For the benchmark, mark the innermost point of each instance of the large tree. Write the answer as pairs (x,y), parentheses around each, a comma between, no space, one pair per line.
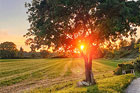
(70,23)
(8,50)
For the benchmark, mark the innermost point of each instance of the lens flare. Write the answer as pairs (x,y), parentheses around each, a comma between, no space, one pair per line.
(82,47)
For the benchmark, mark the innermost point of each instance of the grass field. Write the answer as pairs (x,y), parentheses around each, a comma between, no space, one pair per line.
(59,75)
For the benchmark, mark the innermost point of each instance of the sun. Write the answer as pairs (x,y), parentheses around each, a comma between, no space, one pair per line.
(82,47)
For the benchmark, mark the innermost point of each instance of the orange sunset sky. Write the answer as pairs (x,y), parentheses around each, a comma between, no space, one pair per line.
(14,24)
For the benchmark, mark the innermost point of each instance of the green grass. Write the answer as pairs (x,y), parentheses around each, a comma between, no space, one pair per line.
(15,72)
(115,84)
(64,72)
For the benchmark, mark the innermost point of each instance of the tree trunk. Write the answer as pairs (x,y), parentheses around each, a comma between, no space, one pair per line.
(92,80)
(88,70)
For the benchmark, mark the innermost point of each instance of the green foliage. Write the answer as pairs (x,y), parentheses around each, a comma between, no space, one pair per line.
(137,74)
(8,50)
(138,46)
(124,66)
(118,71)
(137,65)
(65,23)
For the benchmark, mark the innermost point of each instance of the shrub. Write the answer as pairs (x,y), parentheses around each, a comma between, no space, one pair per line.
(137,65)
(118,71)
(124,66)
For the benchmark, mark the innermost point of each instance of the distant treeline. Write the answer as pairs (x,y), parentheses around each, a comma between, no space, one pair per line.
(126,49)
(123,49)
(8,50)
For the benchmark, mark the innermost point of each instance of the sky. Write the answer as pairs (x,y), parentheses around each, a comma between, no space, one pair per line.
(14,23)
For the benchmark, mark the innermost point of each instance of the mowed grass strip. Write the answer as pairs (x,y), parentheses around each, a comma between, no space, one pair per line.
(13,72)
(36,73)
(31,75)
(22,70)
(31,68)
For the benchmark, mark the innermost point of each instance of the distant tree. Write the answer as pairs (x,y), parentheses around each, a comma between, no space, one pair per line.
(70,23)
(21,53)
(33,51)
(33,48)
(44,53)
(138,46)
(132,43)
(123,43)
(8,50)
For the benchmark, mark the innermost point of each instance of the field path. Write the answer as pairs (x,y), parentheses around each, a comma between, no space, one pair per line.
(134,87)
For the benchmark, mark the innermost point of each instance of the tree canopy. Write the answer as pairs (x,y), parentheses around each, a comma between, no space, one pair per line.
(67,23)
(8,50)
